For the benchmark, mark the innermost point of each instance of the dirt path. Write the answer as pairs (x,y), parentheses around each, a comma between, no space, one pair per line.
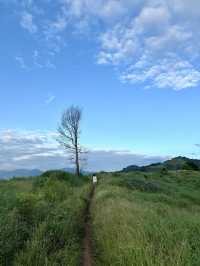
(87,242)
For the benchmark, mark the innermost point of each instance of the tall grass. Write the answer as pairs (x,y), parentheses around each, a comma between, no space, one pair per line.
(42,220)
(147,220)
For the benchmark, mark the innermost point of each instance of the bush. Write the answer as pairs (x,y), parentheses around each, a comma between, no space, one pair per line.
(43,226)
(72,179)
(141,184)
(190,166)
(56,191)
(56,241)
(164,171)
(15,230)
(132,228)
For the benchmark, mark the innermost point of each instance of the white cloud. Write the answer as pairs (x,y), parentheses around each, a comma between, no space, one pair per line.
(60,24)
(37,61)
(128,33)
(185,8)
(27,22)
(152,20)
(104,9)
(21,62)
(24,149)
(36,58)
(113,160)
(163,45)
(39,150)
(167,73)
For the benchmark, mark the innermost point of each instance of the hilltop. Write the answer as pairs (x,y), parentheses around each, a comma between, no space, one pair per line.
(19,173)
(32,172)
(177,163)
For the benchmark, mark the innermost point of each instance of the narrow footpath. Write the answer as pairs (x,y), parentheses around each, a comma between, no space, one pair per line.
(87,242)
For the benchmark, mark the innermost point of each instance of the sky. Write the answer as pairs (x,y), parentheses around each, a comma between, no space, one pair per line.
(133,66)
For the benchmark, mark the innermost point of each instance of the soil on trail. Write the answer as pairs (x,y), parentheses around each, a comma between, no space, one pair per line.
(87,242)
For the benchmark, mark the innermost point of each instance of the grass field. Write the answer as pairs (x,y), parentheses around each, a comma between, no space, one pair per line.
(41,220)
(137,219)
(147,219)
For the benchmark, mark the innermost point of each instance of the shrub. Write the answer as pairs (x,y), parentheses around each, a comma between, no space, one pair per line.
(190,166)
(14,232)
(44,224)
(72,179)
(164,171)
(141,184)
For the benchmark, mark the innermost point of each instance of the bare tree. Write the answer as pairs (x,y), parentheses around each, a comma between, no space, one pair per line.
(69,134)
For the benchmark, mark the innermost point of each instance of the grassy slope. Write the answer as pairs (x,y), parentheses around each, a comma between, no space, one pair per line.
(41,220)
(147,219)
(138,219)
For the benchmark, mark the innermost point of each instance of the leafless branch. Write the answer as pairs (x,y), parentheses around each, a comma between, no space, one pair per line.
(69,135)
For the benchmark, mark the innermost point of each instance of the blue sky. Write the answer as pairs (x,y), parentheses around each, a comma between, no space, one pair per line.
(133,66)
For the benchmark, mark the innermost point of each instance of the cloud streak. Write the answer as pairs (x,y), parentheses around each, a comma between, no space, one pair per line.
(27,22)
(50,99)
(36,149)
(20,60)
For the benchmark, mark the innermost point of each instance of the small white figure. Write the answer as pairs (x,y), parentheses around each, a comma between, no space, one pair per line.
(94,179)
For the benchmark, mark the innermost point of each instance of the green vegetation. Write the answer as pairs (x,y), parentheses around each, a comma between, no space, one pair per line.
(41,219)
(178,163)
(137,218)
(150,219)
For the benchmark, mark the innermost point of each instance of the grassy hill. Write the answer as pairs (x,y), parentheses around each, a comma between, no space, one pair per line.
(148,219)
(177,163)
(137,218)
(41,219)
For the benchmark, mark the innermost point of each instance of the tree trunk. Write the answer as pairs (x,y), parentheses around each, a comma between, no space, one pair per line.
(77,157)
(77,164)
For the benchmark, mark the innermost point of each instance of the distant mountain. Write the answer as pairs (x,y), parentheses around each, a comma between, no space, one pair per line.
(72,170)
(34,172)
(19,173)
(132,168)
(68,170)
(177,163)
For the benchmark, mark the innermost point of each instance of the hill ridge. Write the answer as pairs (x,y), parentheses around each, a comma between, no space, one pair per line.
(176,163)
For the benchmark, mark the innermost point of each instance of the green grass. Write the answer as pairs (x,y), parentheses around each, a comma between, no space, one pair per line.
(41,220)
(147,219)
